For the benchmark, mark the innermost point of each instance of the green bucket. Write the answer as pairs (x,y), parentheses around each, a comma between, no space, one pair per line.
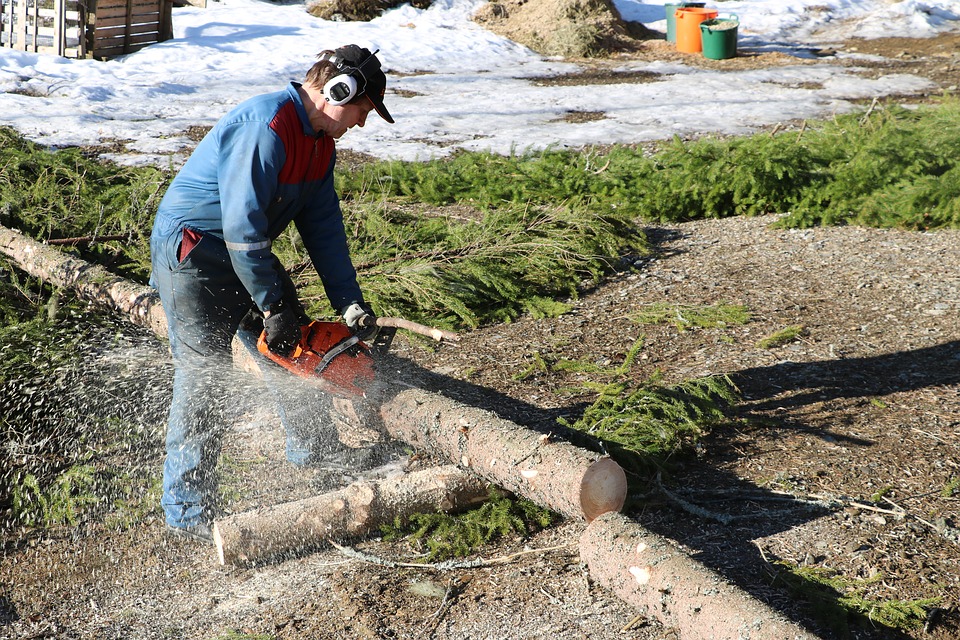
(671,10)
(719,37)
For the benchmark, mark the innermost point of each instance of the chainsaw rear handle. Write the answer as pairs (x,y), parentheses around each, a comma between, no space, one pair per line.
(399,323)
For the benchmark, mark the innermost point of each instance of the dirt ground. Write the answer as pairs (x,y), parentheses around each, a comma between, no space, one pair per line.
(859,417)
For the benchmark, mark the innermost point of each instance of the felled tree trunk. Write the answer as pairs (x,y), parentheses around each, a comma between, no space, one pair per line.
(140,303)
(352,511)
(665,583)
(552,473)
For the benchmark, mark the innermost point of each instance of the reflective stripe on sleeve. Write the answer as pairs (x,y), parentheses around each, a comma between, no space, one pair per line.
(248,246)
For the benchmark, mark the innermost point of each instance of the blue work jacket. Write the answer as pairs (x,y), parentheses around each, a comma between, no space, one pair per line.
(260,168)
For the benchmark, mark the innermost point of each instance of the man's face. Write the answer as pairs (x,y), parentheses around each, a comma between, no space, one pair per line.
(353,114)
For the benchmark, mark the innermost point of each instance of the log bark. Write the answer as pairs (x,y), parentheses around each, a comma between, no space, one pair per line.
(355,510)
(138,302)
(665,583)
(553,473)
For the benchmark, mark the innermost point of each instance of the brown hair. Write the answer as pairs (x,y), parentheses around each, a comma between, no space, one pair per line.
(322,70)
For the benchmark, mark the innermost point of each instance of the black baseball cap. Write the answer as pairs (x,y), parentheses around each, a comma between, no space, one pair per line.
(367,66)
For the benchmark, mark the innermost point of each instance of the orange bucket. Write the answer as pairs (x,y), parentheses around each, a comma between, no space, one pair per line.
(688,27)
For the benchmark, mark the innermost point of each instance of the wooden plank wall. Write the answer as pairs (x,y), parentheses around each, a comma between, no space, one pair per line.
(43,26)
(81,28)
(124,26)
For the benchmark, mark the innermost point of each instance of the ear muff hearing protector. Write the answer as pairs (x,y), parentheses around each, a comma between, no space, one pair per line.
(348,84)
(340,89)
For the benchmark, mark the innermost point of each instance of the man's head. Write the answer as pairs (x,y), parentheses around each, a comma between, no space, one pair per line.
(350,74)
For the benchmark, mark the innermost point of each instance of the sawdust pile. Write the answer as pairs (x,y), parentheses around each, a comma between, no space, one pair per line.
(566,28)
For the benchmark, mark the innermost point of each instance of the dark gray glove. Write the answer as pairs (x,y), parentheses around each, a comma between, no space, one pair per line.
(361,320)
(282,327)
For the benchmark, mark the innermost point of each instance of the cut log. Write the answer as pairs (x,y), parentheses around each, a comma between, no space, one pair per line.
(665,583)
(553,473)
(138,302)
(355,510)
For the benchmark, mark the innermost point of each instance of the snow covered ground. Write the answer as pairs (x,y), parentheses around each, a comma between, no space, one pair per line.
(451,84)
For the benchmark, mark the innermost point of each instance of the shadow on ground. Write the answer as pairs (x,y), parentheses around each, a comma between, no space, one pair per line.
(722,535)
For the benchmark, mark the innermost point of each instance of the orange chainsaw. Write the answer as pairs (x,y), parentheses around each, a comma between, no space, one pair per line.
(341,363)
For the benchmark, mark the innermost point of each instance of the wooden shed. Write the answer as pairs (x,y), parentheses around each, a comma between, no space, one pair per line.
(84,28)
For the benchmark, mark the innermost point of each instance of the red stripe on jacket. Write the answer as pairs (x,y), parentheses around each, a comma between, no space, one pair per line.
(307,156)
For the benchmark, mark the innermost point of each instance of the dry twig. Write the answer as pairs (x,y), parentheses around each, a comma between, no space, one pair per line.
(455,587)
(90,239)
(446,565)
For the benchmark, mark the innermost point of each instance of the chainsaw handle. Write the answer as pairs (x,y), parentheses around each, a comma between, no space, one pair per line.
(399,323)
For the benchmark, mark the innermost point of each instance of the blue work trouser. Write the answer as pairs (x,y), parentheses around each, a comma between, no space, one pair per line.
(205,305)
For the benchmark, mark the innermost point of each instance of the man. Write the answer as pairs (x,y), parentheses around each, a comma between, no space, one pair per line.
(267,163)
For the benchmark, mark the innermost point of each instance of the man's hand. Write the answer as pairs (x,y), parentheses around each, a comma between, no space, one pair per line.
(283,329)
(361,320)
